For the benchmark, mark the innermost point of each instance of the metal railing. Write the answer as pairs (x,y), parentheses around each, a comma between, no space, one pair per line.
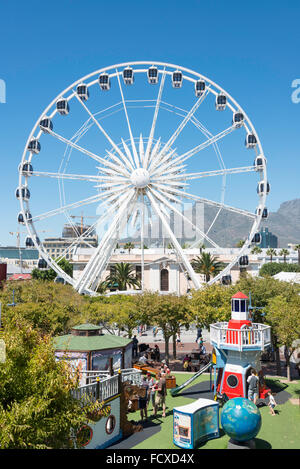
(257,336)
(104,386)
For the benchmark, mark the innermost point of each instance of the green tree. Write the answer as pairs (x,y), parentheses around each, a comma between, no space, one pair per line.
(284,316)
(297,248)
(211,304)
(201,247)
(271,252)
(207,265)
(263,290)
(50,274)
(123,275)
(168,312)
(273,268)
(256,250)
(37,410)
(50,307)
(284,252)
(240,243)
(111,313)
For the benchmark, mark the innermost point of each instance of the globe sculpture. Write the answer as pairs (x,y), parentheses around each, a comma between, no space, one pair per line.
(240,419)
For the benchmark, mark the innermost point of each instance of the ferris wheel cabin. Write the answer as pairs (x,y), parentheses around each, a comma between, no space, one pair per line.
(177,79)
(42,264)
(238,119)
(34,146)
(152,75)
(199,87)
(256,238)
(128,76)
(259,163)
(262,187)
(250,141)
(24,193)
(82,92)
(104,81)
(26,169)
(221,102)
(46,125)
(62,106)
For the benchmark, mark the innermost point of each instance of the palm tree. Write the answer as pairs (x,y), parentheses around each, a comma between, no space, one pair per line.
(297,248)
(271,252)
(129,246)
(284,252)
(256,250)
(201,247)
(207,265)
(123,275)
(240,243)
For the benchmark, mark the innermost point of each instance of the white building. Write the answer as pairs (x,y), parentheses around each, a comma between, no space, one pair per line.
(163,272)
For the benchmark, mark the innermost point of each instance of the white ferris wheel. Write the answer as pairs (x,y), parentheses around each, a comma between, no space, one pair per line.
(141,137)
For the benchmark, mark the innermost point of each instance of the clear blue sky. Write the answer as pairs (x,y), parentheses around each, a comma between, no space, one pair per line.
(249,48)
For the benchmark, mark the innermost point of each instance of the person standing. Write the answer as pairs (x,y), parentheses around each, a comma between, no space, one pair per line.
(151,390)
(134,347)
(272,403)
(199,334)
(143,400)
(160,399)
(253,386)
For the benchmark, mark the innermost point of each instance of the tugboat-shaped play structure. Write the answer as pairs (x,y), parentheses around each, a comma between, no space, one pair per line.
(238,346)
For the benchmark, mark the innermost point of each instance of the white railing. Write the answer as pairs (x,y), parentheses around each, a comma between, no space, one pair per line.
(257,336)
(103,386)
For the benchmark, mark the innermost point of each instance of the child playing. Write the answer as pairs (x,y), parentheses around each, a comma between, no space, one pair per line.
(272,403)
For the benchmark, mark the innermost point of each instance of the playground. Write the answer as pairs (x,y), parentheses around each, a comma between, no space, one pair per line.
(281,432)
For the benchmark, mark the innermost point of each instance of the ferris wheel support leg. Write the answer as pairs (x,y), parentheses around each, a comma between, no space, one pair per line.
(177,246)
(91,270)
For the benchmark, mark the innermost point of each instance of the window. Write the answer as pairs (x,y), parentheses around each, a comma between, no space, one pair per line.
(164,280)
(110,424)
(232,381)
(138,272)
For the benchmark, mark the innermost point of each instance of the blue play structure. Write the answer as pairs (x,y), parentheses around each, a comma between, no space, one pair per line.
(195,423)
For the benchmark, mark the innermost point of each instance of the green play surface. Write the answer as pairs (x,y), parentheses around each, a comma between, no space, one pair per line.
(278,432)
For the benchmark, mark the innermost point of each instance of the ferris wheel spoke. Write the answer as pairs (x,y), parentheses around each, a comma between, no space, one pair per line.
(135,155)
(157,106)
(83,177)
(100,219)
(174,241)
(198,148)
(163,199)
(161,157)
(186,195)
(94,267)
(90,200)
(106,163)
(128,153)
(113,144)
(218,172)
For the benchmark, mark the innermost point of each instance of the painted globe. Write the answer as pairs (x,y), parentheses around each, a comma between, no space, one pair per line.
(240,419)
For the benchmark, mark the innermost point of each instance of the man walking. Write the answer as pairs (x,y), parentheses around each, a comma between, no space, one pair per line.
(160,398)
(253,386)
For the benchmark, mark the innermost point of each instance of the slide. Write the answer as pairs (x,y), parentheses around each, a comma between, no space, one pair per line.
(176,390)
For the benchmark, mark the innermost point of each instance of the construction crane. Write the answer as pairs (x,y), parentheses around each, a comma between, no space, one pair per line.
(81,220)
(18,233)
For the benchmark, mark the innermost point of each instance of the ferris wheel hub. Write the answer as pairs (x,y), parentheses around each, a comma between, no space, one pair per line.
(140,178)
